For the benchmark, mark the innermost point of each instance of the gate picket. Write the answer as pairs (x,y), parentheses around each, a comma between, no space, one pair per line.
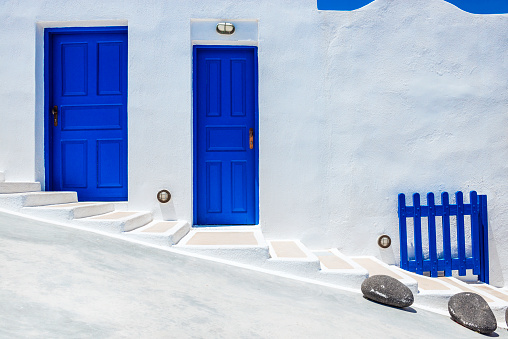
(418,233)
(447,247)
(432,234)
(461,240)
(475,234)
(403,232)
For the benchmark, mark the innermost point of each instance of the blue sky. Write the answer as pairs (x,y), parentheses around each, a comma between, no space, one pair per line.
(472,6)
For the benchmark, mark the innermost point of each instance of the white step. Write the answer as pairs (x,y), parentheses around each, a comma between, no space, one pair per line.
(432,292)
(240,244)
(19,187)
(162,233)
(339,269)
(116,222)
(375,267)
(16,201)
(291,256)
(436,292)
(69,211)
(2,177)
(497,305)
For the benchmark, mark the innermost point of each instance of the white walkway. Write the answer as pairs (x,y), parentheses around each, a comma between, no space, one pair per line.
(59,282)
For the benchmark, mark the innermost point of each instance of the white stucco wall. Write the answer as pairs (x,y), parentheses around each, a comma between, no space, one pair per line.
(354,108)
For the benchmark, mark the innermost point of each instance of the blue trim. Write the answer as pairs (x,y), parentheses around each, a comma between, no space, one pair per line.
(194,125)
(47,128)
(341,5)
(481,6)
(194,134)
(470,6)
(74,30)
(48,69)
(256,134)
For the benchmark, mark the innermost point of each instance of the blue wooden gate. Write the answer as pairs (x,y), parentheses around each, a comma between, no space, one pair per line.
(445,261)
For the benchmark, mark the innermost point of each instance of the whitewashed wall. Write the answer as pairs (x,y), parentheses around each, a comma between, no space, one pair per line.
(355,107)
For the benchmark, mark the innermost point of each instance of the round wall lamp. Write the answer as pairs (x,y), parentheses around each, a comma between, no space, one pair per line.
(163,196)
(225,28)
(384,241)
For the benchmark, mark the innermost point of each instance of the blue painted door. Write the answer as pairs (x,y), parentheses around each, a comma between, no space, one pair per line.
(88,91)
(225,135)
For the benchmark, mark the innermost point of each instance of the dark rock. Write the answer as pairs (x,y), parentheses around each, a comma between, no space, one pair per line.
(387,290)
(506,316)
(472,311)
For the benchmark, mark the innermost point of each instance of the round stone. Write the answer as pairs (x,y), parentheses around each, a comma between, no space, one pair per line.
(387,290)
(472,311)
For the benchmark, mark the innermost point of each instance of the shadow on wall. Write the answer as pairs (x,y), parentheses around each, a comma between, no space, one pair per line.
(495,267)
(388,255)
(471,6)
(168,210)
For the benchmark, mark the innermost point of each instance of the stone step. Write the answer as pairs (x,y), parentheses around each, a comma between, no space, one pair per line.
(69,211)
(16,201)
(291,256)
(235,243)
(19,187)
(339,269)
(116,222)
(2,177)
(162,233)
(375,266)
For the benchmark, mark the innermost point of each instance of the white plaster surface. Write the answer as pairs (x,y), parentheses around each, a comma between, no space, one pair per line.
(102,287)
(116,225)
(168,238)
(354,108)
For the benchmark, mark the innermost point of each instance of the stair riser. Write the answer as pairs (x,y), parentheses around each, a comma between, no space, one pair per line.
(168,238)
(137,222)
(17,201)
(352,279)
(178,235)
(68,214)
(50,198)
(255,256)
(296,267)
(116,226)
(499,311)
(2,177)
(19,187)
(88,211)
(438,301)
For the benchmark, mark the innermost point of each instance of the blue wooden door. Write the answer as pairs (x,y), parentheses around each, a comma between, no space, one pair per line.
(225,135)
(88,94)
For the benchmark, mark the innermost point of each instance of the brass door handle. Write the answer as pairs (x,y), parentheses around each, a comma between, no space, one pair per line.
(54,111)
(251,138)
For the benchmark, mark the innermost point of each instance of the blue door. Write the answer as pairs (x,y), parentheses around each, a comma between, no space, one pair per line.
(225,135)
(86,106)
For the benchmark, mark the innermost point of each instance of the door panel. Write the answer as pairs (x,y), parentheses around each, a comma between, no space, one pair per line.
(88,84)
(225,109)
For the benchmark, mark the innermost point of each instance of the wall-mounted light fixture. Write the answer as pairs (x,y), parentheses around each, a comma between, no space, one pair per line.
(384,241)
(225,28)
(163,196)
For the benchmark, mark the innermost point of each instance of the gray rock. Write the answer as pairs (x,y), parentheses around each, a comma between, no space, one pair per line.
(472,311)
(506,316)
(387,290)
